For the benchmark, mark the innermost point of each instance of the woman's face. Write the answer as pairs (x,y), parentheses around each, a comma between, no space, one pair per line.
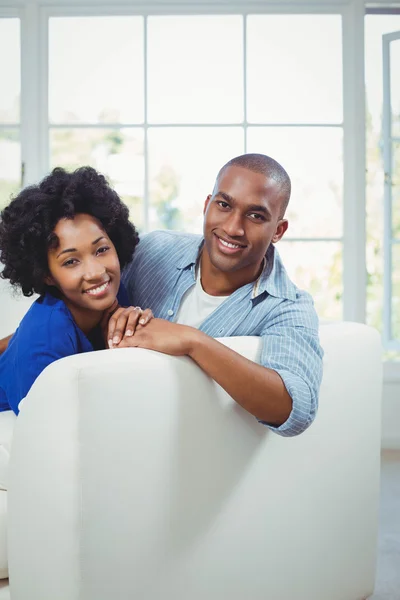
(85,266)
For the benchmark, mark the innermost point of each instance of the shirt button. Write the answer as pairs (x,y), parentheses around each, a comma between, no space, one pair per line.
(170,313)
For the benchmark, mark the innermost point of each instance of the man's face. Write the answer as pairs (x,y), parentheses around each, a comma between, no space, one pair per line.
(241,218)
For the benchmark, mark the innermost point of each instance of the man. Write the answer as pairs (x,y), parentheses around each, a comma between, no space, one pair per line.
(231,282)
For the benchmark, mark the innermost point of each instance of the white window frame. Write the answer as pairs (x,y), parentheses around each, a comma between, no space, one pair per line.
(34,118)
(13,12)
(388,240)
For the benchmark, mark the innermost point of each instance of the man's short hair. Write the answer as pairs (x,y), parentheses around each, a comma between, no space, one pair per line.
(260,163)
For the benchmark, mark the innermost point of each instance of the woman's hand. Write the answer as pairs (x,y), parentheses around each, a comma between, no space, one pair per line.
(124,321)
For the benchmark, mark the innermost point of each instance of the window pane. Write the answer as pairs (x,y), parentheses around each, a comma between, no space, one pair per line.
(10,71)
(10,164)
(395,85)
(317,268)
(117,153)
(396,190)
(183,165)
(100,78)
(396,292)
(313,158)
(195,69)
(294,69)
(375,27)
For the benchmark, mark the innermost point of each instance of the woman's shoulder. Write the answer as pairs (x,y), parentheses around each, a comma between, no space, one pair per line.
(48,324)
(48,310)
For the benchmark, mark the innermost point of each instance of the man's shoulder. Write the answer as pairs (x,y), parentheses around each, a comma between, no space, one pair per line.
(161,246)
(166,238)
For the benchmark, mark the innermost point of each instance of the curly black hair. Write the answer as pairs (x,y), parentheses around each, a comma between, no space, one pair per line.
(27,223)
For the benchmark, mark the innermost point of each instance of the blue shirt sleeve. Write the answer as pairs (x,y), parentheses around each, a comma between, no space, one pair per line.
(291,348)
(54,340)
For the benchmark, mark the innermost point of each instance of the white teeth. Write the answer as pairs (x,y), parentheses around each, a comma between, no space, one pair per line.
(98,290)
(228,244)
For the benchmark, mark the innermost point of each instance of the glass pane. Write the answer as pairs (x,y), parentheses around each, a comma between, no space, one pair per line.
(396,292)
(10,164)
(294,69)
(195,69)
(183,165)
(10,71)
(100,78)
(313,158)
(375,27)
(395,86)
(396,190)
(117,153)
(317,268)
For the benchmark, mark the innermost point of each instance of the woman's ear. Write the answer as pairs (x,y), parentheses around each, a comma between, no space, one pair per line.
(48,280)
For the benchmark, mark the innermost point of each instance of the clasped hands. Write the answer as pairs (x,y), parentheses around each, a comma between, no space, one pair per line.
(134,327)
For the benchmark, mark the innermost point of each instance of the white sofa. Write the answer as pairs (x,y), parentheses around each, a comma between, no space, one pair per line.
(134,476)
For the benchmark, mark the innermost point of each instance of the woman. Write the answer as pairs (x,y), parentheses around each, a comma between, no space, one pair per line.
(67,240)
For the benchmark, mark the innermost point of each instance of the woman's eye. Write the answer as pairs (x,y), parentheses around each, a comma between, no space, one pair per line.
(102,249)
(69,262)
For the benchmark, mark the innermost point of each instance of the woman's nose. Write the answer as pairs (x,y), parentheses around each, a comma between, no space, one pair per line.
(94,271)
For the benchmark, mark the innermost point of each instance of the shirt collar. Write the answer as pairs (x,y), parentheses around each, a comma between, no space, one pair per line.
(274,279)
(190,253)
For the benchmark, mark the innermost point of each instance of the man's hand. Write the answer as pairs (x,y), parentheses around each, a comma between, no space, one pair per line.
(163,336)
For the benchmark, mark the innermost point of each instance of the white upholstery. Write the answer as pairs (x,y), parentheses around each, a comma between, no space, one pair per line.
(134,476)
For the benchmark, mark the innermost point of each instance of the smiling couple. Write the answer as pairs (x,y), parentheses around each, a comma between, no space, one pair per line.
(69,240)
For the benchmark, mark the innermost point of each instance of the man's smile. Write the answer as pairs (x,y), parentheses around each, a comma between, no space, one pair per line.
(228,247)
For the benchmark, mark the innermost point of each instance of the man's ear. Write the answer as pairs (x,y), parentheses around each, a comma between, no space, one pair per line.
(48,280)
(206,203)
(281,228)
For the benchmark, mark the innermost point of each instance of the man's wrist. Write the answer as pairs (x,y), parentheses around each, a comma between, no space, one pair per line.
(194,340)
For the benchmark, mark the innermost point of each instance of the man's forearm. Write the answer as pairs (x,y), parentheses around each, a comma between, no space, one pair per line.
(4,344)
(257,389)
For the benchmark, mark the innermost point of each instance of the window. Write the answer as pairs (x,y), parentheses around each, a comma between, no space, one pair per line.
(10,78)
(147,101)
(383,177)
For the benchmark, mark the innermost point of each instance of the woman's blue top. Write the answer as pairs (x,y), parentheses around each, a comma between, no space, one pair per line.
(46,333)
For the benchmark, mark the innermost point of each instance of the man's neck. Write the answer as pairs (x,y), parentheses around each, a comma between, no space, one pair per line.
(220,283)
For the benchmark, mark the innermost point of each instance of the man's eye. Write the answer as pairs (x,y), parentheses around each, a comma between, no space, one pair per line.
(256,216)
(223,204)
(102,249)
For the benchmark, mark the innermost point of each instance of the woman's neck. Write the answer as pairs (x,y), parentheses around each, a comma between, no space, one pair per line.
(85,319)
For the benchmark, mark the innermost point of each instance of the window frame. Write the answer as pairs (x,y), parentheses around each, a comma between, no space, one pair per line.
(388,242)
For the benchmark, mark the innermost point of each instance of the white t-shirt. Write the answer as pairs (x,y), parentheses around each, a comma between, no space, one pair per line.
(196,304)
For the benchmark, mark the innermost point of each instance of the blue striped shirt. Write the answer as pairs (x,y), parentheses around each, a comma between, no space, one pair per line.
(163,269)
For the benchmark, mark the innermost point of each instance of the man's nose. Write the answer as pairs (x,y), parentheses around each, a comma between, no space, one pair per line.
(234,225)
